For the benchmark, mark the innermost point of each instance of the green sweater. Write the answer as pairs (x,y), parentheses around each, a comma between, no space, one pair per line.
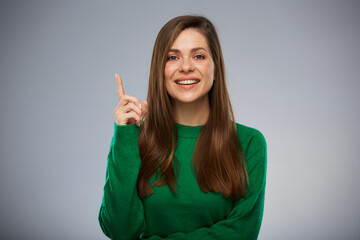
(190,213)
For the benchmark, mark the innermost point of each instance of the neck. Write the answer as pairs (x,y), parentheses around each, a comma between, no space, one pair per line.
(192,114)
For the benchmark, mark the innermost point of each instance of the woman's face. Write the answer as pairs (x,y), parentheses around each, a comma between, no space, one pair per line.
(189,70)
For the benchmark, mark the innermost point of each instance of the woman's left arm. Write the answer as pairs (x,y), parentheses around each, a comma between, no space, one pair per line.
(245,218)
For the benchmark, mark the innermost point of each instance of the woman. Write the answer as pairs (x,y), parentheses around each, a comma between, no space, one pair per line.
(186,170)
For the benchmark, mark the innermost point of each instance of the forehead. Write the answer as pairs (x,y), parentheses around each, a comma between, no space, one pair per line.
(190,38)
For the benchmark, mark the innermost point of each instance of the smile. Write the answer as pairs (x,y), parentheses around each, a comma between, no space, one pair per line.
(187,82)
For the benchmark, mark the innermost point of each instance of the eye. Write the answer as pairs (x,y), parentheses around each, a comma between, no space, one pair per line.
(172,58)
(198,57)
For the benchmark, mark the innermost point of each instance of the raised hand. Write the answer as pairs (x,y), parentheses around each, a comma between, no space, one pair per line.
(129,111)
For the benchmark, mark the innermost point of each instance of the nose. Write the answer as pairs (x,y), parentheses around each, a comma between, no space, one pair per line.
(186,65)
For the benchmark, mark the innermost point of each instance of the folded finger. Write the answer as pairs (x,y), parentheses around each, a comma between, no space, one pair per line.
(132,107)
(127,98)
(133,116)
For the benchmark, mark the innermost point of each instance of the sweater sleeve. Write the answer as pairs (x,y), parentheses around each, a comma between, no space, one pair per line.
(121,214)
(244,220)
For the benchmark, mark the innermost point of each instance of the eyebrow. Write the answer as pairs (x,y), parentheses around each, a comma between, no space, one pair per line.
(192,50)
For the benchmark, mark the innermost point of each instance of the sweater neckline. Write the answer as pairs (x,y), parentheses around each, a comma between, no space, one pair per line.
(188,131)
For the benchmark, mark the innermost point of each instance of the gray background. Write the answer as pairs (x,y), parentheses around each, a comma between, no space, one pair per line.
(293,72)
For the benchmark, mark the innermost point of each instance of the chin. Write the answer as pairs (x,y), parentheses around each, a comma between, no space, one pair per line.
(188,99)
(182,100)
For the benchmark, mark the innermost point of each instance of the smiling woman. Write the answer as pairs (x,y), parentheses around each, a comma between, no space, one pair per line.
(186,170)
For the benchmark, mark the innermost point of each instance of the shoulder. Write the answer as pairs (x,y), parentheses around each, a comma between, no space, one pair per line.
(250,138)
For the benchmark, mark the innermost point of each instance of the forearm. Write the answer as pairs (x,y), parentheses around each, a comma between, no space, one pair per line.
(121,213)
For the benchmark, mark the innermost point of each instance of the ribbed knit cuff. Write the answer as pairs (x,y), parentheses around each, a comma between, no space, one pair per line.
(126,132)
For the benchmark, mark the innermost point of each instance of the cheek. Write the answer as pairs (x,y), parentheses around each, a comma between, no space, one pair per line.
(169,70)
(209,71)
(211,75)
(166,72)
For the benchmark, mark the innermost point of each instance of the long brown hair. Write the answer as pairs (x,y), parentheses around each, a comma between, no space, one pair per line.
(218,158)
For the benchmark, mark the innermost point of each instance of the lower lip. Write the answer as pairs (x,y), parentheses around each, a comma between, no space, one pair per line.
(190,86)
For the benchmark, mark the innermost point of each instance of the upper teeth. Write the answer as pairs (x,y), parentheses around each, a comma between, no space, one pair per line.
(186,81)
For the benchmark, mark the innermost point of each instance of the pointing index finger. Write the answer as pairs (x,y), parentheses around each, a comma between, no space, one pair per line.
(120,88)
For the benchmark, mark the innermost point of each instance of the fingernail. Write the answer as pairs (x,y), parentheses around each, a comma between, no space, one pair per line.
(140,106)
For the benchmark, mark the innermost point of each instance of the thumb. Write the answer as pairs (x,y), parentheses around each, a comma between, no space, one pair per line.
(143,108)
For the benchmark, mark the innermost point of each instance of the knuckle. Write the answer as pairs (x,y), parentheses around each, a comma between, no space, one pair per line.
(136,116)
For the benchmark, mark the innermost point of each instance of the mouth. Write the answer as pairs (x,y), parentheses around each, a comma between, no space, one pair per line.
(187,82)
